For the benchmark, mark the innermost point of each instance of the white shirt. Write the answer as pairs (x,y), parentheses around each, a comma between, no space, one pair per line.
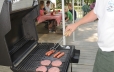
(47,8)
(104,10)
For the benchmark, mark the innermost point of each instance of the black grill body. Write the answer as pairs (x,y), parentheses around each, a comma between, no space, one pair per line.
(33,59)
(19,47)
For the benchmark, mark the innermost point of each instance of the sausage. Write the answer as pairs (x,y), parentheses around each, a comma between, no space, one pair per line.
(60,55)
(55,55)
(47,52)
(51,52)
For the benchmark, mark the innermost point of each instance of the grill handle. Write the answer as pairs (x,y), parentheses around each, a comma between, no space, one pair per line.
(75,56)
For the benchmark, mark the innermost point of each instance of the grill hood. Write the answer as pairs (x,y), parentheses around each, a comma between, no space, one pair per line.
(16,29)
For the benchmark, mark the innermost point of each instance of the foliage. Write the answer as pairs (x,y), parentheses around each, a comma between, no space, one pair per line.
(59,2)
(89,1)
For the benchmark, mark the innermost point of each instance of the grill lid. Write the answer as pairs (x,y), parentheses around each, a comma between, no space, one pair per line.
(17,34)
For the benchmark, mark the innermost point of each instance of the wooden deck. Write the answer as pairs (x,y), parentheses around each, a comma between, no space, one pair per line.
(86,38)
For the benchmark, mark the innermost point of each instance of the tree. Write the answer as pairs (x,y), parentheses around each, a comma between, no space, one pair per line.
(75,2)
(89,1)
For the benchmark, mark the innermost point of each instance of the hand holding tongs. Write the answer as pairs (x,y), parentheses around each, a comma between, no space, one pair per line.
(67,33)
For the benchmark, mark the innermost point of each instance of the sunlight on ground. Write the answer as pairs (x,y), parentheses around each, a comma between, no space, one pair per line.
(92,38)
(49,38)
(83,29)
(80,29)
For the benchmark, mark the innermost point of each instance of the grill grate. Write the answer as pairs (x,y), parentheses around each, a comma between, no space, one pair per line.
(32,61)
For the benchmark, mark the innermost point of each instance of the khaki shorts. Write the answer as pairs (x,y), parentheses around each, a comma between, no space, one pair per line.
(104,61)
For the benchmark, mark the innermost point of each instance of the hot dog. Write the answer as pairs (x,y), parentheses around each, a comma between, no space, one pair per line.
(55,55)
(50,52)
(47,52)
(60,55)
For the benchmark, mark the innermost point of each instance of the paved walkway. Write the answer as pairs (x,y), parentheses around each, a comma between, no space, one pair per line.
(86,38)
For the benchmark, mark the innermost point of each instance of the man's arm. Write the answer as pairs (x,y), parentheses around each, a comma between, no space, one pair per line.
(91,16)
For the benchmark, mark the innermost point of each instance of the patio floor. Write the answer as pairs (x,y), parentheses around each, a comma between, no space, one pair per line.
(86,37)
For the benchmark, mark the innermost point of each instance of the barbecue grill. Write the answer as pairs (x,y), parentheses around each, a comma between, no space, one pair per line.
(19,46)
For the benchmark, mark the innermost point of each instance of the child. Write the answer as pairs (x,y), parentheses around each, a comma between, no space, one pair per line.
(68,16)
(42,2)
(92,6)
(47,7)
(41,11)
(52,25)
(71,10)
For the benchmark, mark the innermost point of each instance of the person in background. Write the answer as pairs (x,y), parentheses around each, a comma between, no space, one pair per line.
(41,10)
(85,9)
(42,2)
(47,7)
(92,5)
(68,16)
(71,10)
(52,25)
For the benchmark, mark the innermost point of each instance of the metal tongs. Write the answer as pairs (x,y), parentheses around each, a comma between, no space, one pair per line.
(55,47)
